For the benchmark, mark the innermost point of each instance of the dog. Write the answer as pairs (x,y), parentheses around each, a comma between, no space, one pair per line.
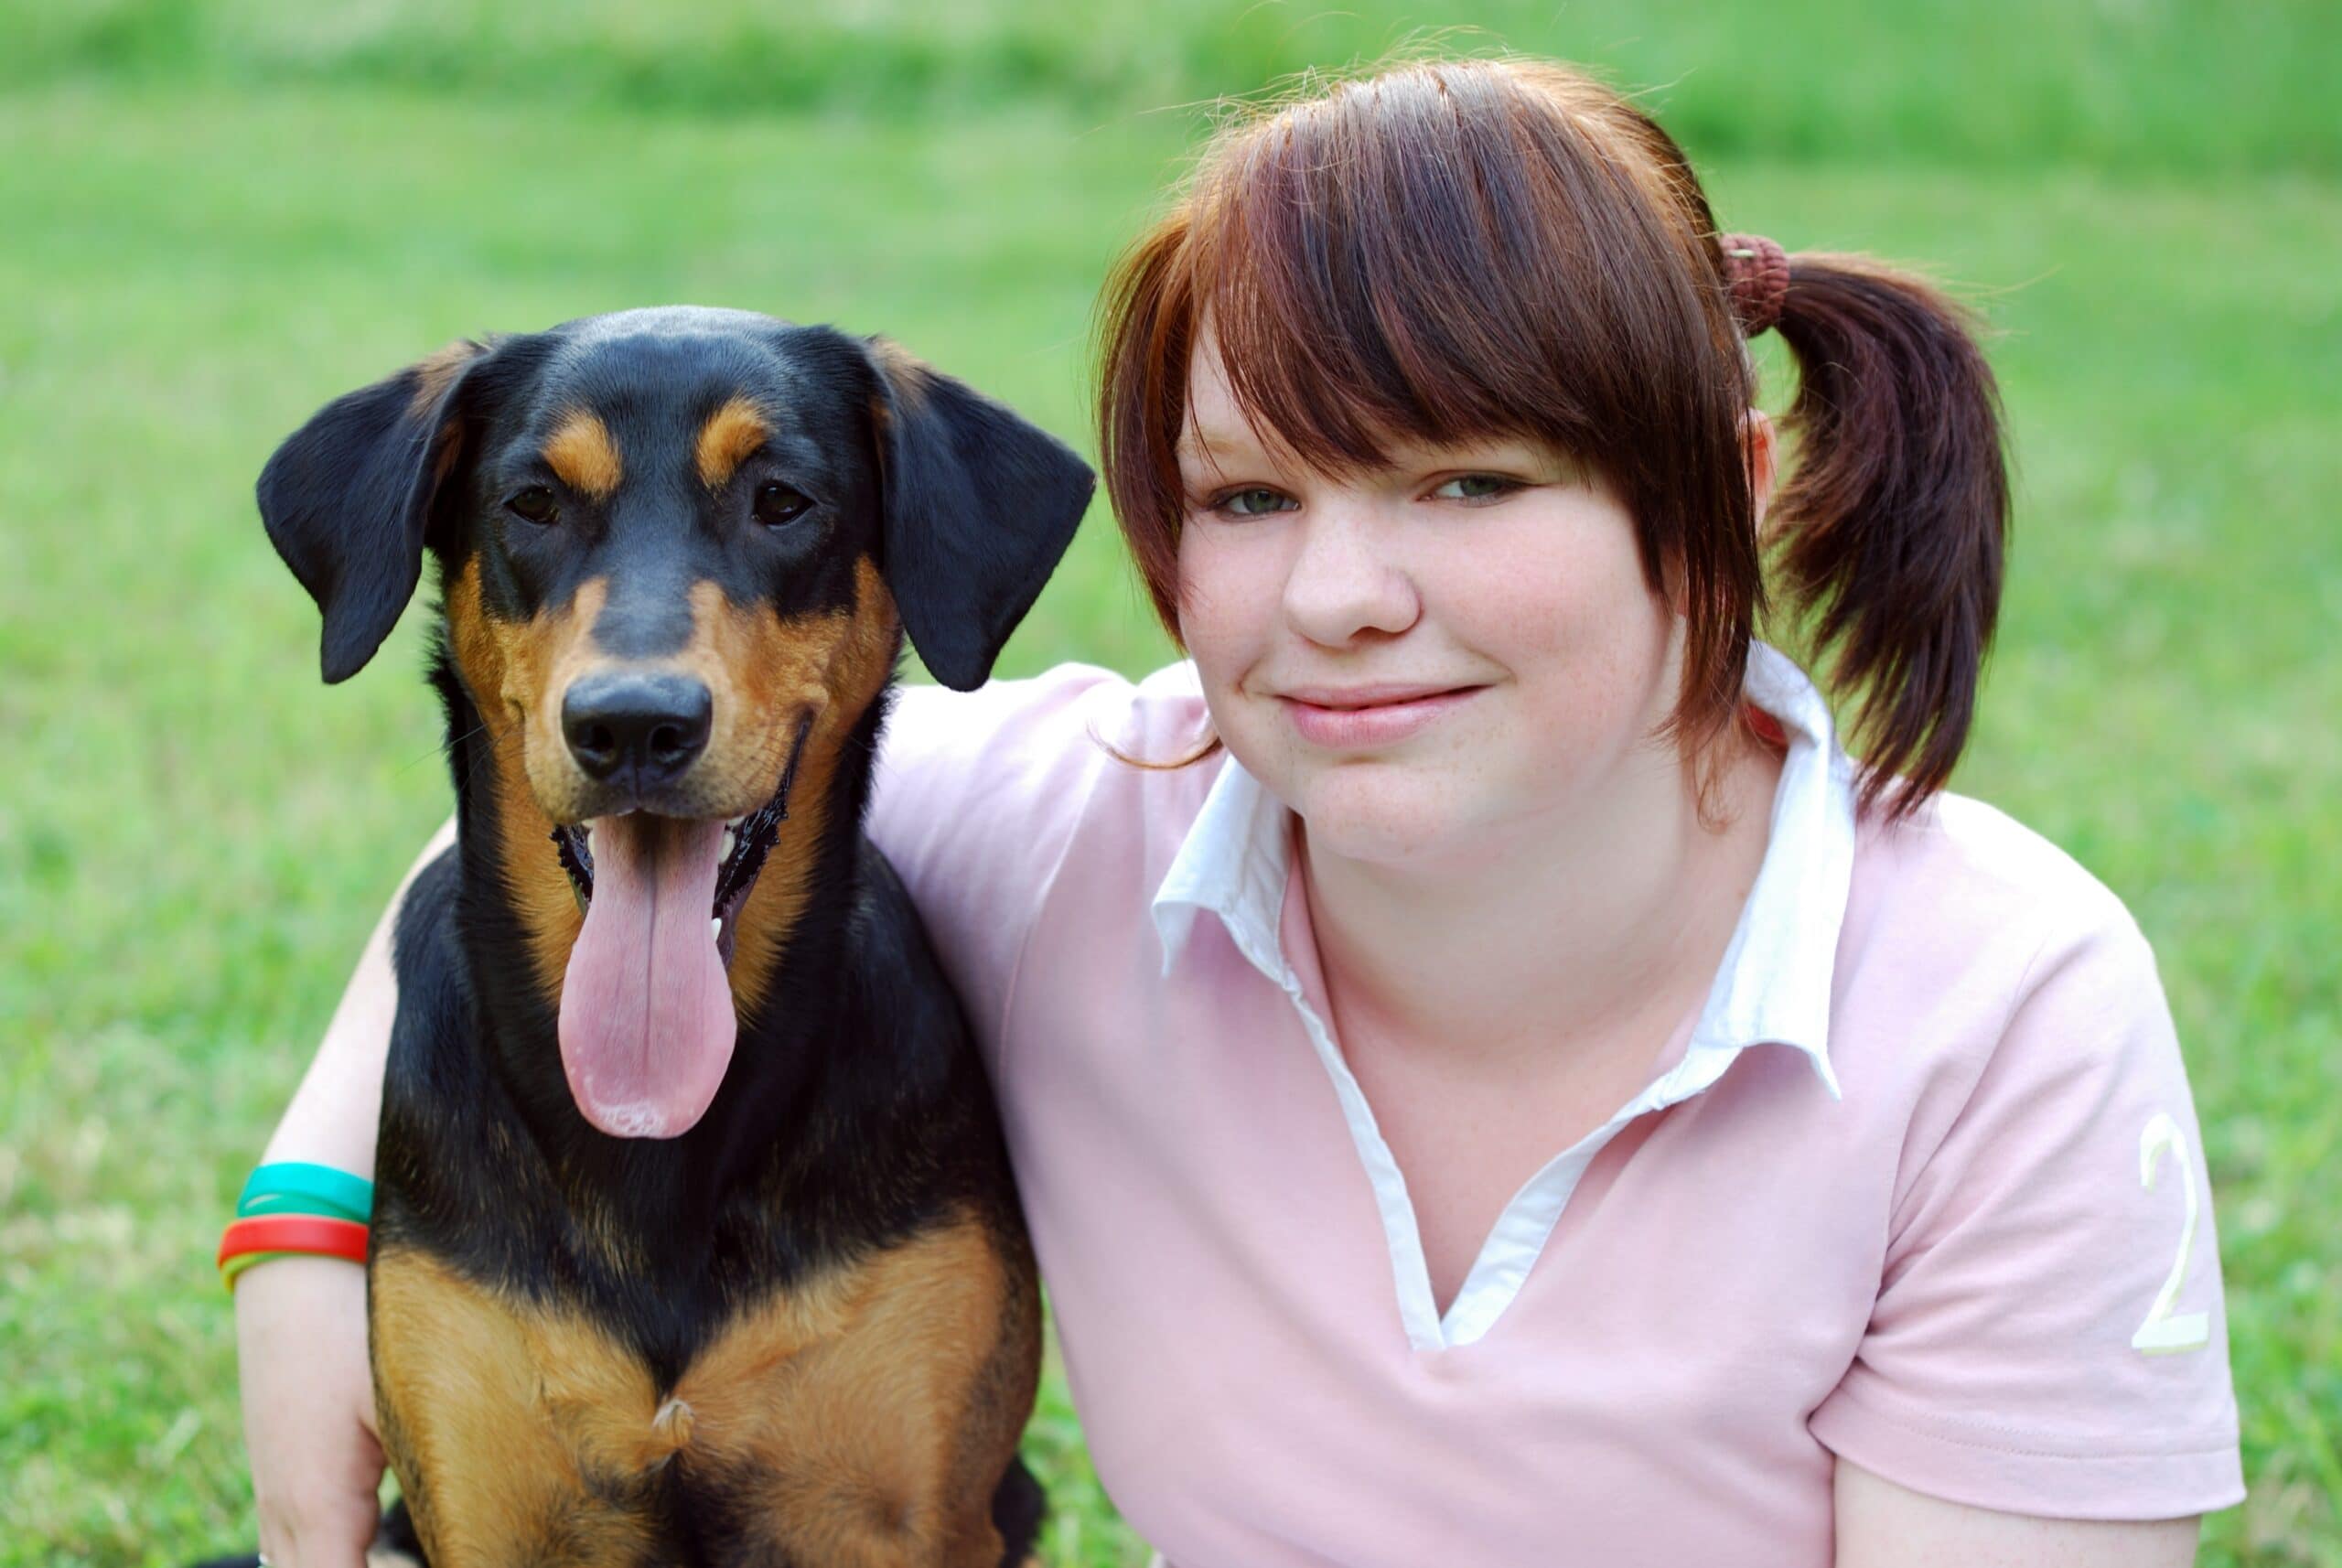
(694,1238)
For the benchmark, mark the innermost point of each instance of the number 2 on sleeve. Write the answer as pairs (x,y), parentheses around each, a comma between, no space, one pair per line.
(2162,1333)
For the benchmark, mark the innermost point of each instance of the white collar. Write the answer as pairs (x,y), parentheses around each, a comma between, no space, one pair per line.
(1773,985)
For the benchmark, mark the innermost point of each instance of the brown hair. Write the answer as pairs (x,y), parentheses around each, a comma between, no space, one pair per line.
(1458,249)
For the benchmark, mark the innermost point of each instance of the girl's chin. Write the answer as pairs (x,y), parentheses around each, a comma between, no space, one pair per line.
(1390,819)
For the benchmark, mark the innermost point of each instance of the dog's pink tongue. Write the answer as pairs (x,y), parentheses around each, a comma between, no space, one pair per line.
(647,1025)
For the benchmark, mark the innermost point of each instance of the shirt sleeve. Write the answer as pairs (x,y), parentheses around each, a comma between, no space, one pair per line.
(2048,1337)
(974,796)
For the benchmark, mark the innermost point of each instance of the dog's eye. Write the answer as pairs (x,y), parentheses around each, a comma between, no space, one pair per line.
(778,504)
(535,504)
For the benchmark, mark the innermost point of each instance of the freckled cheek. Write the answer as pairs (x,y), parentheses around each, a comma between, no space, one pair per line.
(1527,611)
(1230,598)
(1567,613)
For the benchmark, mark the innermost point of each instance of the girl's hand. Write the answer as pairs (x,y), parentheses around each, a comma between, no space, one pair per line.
(309,1410)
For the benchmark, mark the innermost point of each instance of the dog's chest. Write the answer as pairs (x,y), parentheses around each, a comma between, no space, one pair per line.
(849,1420)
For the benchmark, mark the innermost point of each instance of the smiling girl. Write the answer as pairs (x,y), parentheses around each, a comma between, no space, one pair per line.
(1491,1080)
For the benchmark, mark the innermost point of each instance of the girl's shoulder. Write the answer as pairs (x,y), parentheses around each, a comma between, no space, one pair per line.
(1985,978)
(980,800)
(1071,715)
(967,782)
(1961,884)
(1993,865)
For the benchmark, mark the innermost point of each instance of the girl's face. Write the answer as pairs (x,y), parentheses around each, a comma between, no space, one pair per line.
(1422,661)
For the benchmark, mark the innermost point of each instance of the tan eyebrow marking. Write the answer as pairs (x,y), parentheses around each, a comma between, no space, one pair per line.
(580,450)
(730,433)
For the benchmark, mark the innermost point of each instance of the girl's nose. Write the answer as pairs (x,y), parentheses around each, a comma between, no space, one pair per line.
(1341,585)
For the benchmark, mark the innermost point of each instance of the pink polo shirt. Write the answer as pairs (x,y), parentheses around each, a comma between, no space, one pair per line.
(1920,1185)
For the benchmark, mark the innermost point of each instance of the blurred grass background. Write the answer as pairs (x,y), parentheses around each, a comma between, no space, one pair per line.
(215,217)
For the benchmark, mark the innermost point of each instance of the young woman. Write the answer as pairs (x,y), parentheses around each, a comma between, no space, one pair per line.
(1492,1082)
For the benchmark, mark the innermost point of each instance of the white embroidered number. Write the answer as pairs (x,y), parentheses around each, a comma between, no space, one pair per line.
(2163,1334)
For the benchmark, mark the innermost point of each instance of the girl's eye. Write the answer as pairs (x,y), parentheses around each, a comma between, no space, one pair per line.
(1476,486)
(777,504)
(1257,501)
(535,504)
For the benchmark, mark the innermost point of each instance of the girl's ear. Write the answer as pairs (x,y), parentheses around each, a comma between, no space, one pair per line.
(978,504)
(1760,451)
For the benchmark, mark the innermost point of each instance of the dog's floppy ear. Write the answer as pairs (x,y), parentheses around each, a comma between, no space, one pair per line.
(979,505)
(348,495)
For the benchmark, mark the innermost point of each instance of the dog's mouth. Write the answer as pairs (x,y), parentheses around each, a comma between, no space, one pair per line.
(740,855)
(648,1021)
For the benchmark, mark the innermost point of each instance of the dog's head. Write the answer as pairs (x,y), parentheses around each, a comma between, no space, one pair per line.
(678,549)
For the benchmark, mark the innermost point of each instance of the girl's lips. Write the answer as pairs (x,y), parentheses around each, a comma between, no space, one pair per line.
(1367,717)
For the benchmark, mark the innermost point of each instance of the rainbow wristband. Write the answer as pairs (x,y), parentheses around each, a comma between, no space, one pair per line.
(297,1187)
(248,1242)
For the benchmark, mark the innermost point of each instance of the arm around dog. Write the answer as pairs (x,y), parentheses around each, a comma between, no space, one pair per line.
(308,1400)
(332,1117)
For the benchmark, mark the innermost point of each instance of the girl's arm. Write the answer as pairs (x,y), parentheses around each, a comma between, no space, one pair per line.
(309,1396)
(1882,1525)
(333,1114)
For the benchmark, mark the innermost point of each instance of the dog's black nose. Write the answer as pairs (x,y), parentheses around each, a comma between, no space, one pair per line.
(650,727)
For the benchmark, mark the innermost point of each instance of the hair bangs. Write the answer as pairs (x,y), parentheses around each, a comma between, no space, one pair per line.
(1359,266)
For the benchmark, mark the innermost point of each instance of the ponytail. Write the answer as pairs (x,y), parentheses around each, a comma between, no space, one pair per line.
(1896,515)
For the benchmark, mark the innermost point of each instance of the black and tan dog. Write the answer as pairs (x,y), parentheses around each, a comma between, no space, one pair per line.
(694,1237)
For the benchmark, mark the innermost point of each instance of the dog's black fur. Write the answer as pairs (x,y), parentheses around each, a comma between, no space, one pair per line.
(854,1118)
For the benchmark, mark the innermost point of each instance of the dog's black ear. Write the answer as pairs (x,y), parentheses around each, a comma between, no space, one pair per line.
(346,497)
(979,506)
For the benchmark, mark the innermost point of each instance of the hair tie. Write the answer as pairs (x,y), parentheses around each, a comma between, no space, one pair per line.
(1757,271)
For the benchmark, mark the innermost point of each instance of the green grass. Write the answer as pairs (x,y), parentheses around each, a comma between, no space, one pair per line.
(195,835)
(2140,83)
